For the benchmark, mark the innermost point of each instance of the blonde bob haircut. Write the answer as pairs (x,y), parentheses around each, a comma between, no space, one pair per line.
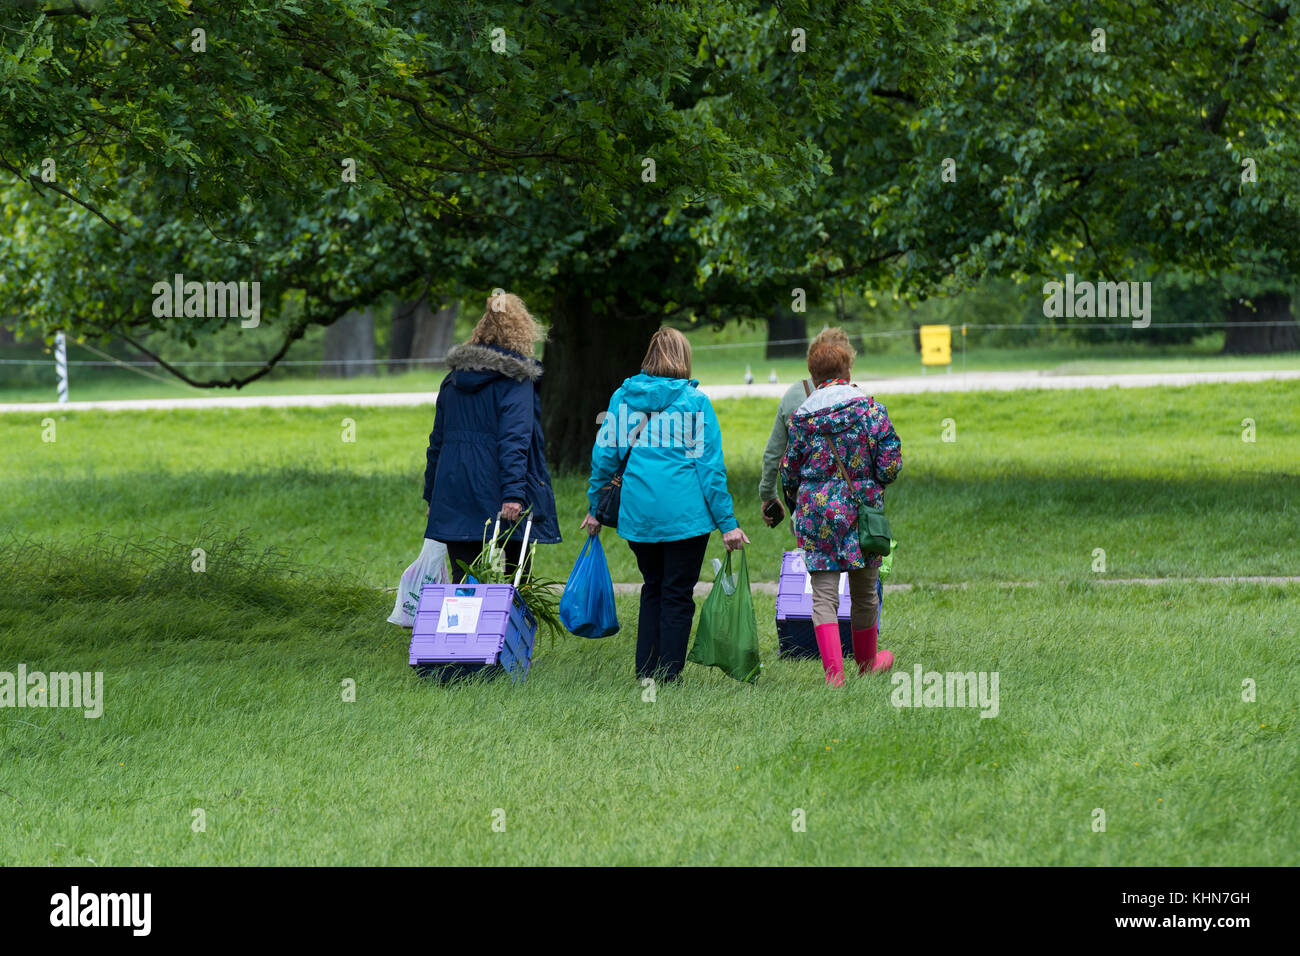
(669,355)
(508,324)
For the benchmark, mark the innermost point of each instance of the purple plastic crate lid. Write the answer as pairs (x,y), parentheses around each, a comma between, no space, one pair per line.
(794,591)
(468,622)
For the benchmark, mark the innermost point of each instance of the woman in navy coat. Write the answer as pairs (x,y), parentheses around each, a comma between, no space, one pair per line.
(487,456)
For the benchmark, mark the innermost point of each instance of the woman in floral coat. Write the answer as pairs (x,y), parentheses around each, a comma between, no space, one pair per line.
(825,509)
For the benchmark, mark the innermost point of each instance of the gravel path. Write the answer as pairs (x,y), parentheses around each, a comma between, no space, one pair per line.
(939,382)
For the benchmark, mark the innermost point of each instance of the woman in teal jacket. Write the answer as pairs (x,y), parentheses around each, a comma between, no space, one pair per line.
(674,494)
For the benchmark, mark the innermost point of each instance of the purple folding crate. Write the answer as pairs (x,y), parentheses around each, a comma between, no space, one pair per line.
(794,628)
(464,628)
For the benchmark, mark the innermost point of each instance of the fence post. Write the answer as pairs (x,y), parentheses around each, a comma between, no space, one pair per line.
(61,364)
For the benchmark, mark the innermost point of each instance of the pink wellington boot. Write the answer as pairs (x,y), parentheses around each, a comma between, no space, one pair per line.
(828,643)
(869,659)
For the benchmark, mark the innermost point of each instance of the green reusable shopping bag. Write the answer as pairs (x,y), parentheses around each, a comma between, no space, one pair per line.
(887,561)
(727,637)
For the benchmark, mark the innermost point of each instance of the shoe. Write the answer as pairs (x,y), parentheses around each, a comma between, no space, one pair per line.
(828,643)
(870,660)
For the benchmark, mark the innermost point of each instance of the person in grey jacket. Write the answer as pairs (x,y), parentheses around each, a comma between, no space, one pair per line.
(795,396)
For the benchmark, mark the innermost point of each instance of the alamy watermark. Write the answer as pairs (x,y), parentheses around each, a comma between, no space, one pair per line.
(129,910)
(208,300)
(78,690)
(951,689)
(671,429)
(1100,300)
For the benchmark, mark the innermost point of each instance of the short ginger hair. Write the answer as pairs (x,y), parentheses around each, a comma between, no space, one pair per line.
(828,360)
(835,336)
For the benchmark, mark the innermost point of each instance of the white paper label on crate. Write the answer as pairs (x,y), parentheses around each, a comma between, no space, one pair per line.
(459,615)
(807,582)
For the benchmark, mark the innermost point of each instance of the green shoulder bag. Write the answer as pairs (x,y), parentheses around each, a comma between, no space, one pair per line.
(873,527)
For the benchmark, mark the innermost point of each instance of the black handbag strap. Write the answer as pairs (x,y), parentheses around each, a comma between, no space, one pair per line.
(632,441)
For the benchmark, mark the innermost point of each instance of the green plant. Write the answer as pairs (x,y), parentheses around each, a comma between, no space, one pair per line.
(540,595)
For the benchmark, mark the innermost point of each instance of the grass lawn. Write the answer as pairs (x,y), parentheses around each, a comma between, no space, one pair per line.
(1034,483)
(224,695)
(223,689)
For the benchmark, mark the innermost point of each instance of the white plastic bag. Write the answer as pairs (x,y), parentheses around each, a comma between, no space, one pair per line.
(429,568)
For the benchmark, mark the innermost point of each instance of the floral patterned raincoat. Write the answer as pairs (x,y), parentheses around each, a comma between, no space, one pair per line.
(824,511)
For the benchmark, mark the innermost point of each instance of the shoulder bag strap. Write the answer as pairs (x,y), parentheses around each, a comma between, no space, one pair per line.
(830,440)
(632,441)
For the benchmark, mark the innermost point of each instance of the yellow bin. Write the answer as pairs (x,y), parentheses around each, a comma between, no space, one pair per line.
(936,345)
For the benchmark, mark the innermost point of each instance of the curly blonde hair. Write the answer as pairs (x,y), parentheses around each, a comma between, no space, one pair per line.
(508,323)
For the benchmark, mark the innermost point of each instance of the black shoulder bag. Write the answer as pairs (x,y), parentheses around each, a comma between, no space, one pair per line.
(610,496)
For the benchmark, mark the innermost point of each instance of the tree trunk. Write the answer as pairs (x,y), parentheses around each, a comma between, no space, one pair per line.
(399,339)
(421,333)
(787,331)
(1242,339)
(350,346)
(589,355)
(434,334)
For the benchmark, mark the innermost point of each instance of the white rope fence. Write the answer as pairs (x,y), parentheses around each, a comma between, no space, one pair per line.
(753,343)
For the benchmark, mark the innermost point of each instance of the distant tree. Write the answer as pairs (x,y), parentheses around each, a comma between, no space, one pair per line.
(1112,139)
(1119,140)
(350,345)
(786,332)
(421,333)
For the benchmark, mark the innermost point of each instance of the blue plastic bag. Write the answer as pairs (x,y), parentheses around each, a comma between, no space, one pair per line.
(587,607)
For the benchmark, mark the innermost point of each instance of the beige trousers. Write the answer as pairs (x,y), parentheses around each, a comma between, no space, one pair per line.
(862,597)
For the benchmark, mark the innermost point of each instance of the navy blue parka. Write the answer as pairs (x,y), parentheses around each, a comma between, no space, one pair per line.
(486,447)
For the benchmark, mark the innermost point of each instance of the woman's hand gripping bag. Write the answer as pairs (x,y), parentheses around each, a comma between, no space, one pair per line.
(587,607)
(727,636)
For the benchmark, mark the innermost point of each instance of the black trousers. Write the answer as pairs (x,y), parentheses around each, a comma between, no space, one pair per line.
(670,570)
(467,551)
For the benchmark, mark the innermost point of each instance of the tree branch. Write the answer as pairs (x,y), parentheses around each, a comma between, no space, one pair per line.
(37,184)
(295,333)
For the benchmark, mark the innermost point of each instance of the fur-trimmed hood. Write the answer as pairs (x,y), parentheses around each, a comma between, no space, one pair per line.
(473,366)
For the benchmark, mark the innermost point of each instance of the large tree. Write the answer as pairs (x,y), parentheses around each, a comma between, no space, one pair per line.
(606,286)
(152,137)
(794,149)
(578,165)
